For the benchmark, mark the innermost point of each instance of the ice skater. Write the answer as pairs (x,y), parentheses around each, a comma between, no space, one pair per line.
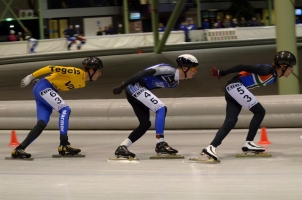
(47,99)
(33,43)
(142,100)
(237,95)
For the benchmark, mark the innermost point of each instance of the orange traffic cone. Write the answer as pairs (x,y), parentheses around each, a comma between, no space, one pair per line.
(264,139)
(14,140)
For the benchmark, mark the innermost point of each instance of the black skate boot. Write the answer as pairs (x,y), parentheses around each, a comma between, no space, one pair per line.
(122,151)
(164,148)
(20,153)
(67,149)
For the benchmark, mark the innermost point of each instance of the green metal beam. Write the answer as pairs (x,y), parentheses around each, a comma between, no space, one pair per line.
(41,25)
(269,12)
(154,16)
(126,16)
(171,23)
(287,41)
(12,12)
(198,13)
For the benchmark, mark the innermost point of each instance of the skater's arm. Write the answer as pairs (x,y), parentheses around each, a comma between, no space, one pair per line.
(135,78)
(25,81)
(261,70)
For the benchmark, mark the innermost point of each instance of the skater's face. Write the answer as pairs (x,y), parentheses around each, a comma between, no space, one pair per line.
(191,72)
(288,71)
(96,75)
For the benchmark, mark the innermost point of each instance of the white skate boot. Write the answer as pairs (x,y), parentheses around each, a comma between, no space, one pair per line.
(250,146)
(210,151)
(250,149)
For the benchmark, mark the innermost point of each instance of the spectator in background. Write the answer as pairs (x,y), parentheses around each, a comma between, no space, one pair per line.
(254,22)
(26,32)
(110,29)
(20,36)
(192,25)
(205,24)
(105,31)
(12,37)
(298,21)
(234,23)
(218,24)
(184,27)
(242,22)
(261,23)
(99,32)
(226,23)
(161,27)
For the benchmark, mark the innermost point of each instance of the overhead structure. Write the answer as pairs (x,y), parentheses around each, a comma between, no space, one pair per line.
(9,15)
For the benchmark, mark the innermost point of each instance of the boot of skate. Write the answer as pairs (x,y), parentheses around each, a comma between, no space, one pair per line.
(67,149)
(250,146)
(20,153)
(210,151)
(164,148)
(122,151)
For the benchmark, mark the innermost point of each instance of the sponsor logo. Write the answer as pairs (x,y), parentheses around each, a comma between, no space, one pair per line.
(65,70)
(138,92)
(43,92)
(232,86)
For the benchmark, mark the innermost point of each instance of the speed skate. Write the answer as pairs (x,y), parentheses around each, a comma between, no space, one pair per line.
(253,154)
(165,151)
(250,149)
(205,159)
(67,151)
(11,158)
(167,156)
(123,159)
(68,155)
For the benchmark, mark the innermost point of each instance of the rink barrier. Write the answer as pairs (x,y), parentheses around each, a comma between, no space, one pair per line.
(282,111)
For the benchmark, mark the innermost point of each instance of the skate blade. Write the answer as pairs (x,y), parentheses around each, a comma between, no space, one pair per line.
(202,160)
(167,156)
(121,159)
(69,156)
(27,159)
(248,155)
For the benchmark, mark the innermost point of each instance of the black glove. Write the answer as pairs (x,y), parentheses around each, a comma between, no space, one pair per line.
(216,72)
(118,89)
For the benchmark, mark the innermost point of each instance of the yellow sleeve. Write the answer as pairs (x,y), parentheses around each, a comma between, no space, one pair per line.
(45,70)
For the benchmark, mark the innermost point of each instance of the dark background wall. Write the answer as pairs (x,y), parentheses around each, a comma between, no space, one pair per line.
(119,67)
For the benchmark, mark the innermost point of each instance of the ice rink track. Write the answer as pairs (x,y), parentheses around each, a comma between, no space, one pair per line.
(93,177)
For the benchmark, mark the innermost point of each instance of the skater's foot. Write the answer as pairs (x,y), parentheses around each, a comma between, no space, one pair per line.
(250,146)
(20,153)
(164,148)
(122,151)
(67,149)
(210,151)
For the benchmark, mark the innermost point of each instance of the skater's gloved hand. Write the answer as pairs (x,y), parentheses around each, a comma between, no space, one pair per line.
(118,89)
(25,81)
(216,72)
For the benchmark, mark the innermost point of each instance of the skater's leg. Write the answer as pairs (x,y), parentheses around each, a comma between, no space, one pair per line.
(232,111)
(143,115)
(259,113)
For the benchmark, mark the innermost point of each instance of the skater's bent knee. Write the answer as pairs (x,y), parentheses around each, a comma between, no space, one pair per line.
(145,125)
(41,124)
(258,109)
